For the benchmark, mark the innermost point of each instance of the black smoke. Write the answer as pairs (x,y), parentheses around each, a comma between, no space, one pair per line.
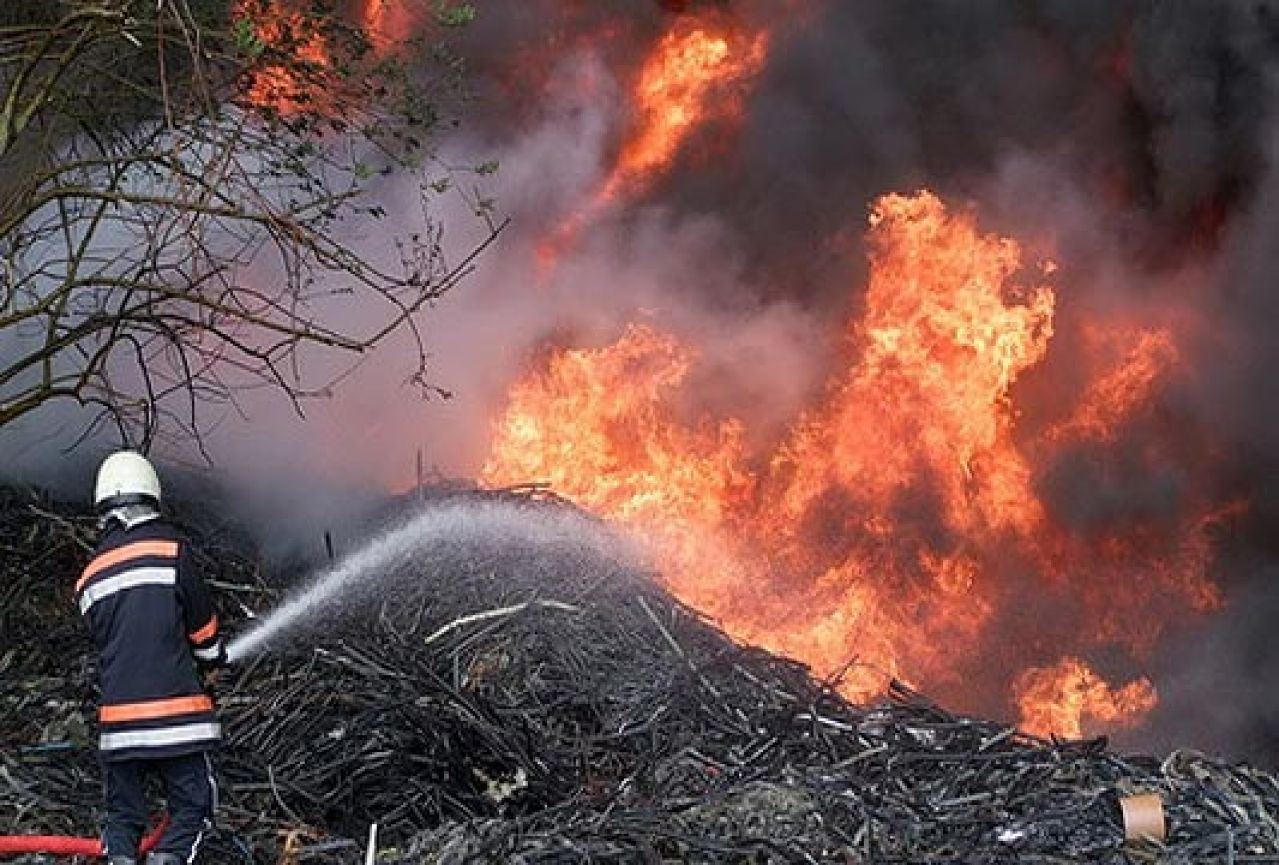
(1159,110)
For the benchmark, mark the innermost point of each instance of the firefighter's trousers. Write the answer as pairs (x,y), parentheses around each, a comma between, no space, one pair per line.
(190,792)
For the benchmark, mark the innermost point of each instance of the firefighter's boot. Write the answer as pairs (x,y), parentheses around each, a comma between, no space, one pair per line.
(164,858)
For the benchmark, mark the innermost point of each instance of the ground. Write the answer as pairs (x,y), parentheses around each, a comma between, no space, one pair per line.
(516,689)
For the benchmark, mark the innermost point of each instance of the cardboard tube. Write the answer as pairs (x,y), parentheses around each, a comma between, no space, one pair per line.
(1144,817)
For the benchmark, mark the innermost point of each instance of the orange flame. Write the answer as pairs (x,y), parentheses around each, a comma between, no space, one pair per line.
(596,425)
(285,88)
(695,74)
(302,84)
(674,94)
(1148,356)
(901,523)
(388,23)
(945,335)
(1058,700)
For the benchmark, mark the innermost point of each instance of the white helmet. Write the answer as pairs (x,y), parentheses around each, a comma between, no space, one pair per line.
(126,478)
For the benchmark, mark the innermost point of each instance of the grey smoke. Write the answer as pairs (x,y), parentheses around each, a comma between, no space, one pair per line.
(1217,685)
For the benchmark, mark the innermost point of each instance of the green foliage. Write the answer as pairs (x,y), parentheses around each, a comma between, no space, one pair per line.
(455,15)
(245,36)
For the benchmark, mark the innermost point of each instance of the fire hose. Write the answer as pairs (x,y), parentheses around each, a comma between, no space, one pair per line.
(66,845)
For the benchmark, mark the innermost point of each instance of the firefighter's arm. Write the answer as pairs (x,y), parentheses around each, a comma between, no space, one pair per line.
(198,611)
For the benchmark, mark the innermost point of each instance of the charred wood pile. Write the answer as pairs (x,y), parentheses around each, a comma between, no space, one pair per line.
(540,700)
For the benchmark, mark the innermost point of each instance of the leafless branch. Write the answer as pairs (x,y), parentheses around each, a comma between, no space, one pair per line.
(175,182)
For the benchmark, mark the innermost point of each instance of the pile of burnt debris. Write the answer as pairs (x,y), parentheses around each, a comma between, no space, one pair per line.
(538,699)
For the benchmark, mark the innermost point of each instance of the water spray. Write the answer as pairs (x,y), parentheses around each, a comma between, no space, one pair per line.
(490,523)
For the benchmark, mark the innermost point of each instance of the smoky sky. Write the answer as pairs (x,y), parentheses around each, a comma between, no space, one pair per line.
(1160,110)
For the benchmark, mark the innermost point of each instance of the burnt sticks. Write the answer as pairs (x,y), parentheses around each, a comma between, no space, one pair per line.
(549,702)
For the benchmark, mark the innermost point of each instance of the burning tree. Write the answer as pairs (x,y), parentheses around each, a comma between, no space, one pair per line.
(172,181)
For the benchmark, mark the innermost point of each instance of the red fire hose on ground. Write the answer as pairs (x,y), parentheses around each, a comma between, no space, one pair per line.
(65,845)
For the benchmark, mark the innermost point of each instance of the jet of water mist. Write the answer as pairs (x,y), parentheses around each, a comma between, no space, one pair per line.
(486,523)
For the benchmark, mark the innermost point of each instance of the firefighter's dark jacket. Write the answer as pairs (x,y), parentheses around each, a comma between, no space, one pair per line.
(151,617)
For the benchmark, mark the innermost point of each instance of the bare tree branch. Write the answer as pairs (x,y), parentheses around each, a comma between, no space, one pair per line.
(176,179)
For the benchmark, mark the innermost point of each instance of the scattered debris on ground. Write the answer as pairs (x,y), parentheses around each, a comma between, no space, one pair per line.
(545,702)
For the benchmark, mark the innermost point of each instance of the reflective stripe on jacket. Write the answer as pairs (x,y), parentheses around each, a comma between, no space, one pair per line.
(151,616)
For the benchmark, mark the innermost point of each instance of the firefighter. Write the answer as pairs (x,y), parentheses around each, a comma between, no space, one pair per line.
(155,629)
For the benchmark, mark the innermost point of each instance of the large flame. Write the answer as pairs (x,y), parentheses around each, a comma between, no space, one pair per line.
(901,528)
(946,333)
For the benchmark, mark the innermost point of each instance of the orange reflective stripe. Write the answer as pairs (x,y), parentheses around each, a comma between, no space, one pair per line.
(154,709)
(135,550)
(208,632)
